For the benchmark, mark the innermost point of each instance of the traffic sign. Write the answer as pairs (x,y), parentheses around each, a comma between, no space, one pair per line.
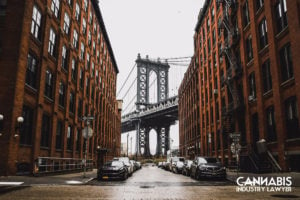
(87,132)
(235,135)
(235,148)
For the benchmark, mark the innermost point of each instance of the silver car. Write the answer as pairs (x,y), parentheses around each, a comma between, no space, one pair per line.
(127,162)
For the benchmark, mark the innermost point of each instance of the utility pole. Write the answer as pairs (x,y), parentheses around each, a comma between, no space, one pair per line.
(87,133)
(127,143)
(131,146)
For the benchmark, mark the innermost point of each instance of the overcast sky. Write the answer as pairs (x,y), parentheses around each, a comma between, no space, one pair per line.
(158,28)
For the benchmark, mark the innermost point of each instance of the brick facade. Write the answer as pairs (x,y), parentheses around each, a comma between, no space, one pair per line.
(257,105)
(89,86)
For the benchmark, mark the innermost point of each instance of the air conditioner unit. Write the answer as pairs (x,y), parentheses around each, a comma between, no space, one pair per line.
(251,98)
(216,91)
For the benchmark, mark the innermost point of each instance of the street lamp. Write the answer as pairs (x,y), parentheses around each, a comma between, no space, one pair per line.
(20,121)
(87,133)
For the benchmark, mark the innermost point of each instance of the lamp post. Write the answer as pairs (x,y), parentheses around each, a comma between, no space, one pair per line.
(87,133)
(127,143)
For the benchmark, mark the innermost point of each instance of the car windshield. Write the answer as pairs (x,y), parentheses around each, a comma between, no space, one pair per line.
(176,159)
(114,164)
(211,160)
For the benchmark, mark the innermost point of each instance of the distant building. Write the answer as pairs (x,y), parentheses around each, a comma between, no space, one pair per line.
(57,65)
(244,79)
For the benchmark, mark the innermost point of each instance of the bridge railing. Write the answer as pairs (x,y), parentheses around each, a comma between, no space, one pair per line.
(152,108)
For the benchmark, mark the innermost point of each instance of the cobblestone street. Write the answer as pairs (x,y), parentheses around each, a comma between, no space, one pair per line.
(148,183)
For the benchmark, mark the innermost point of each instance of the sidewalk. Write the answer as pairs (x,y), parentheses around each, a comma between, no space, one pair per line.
(62,179)
(232,176)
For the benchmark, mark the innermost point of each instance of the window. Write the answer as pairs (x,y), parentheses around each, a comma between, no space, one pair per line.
(78,136)
(91,17)
(64,58)
(291,117)
(252,86)
(79,108)
(55,7)
(77,12)
(94,47)
(49,84)
(88,61)
(59,134)
(208,23)
(267,77)
(83,26)
(31,71)
(86,5)
(286,63)
(69,138)
(281,16)
(74,69)
(249,50)
(263,38)
(259,4)
(95,28)
(62,94)
(66,23)
(89,38)
(26,130)
(3,4)
(82,51)
(271,128)
(93,69)
(36,23)
(75,39)
(72,103)
(69,2)
(45,131)
(246,17)
(51,45)
(81,78)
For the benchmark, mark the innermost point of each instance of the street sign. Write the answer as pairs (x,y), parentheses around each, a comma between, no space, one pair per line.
(235,148)
(87,132)
(235,135)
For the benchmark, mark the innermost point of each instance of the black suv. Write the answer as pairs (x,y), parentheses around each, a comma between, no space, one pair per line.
(207,167)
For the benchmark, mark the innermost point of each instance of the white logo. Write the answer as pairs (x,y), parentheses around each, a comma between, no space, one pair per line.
(264,184)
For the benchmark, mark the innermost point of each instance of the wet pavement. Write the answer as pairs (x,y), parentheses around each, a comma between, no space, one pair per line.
(146,184)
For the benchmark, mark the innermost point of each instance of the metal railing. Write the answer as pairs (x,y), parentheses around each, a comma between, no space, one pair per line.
(54,164)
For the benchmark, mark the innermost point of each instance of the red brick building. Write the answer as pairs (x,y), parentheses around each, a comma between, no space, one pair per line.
(57,65)
(247,56)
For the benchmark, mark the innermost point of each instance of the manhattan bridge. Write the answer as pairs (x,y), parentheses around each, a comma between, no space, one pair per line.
(150,101)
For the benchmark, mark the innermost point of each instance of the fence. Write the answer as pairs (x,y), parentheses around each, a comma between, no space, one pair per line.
(52,164)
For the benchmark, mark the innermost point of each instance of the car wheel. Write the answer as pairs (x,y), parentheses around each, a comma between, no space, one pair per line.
(125,176)
(197,175)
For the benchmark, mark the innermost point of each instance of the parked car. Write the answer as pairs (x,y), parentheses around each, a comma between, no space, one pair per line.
(133,162)
(186,167)
(160,164)
(176,164)
(168,166)
(207,167)
(127,163)
(113,170)
(139,165)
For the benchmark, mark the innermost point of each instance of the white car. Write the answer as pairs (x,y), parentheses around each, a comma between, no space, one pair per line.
(128,164)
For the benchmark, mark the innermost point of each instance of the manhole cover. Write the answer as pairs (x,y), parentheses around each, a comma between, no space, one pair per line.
(147,186)
(285,196)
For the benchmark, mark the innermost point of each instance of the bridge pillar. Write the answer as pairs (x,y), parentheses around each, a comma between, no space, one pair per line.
(159,141)
(167,138)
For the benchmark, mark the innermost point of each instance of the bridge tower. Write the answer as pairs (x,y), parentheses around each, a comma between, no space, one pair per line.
(144,69)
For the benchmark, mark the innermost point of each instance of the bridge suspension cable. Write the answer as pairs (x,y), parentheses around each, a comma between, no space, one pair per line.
(126,79)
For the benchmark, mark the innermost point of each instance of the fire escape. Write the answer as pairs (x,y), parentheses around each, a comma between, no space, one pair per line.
(229,50)
(262,162)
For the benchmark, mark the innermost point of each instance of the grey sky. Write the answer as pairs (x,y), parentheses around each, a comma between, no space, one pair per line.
(158,28)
